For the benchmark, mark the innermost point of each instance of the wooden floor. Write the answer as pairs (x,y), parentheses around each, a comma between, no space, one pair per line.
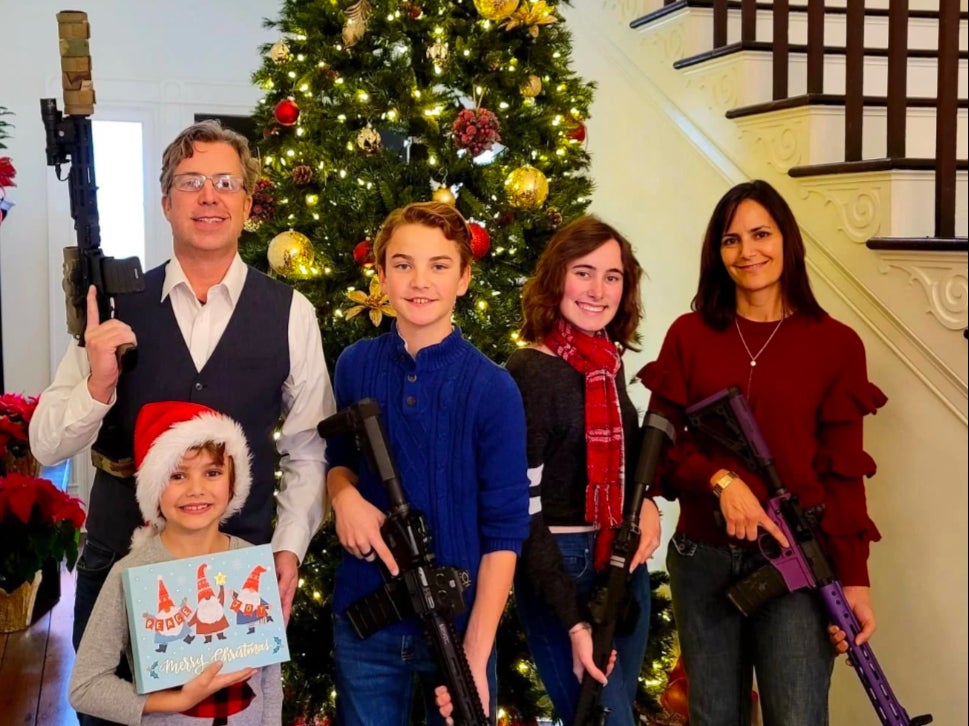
(35,666)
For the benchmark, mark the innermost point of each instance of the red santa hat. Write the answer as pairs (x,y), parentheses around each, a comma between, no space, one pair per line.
(164,432)
(164,599)
(252,582)
(204,588)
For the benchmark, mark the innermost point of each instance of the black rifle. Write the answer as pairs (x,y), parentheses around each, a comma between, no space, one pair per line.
(431,593)
(610,599)
(69,140)
(727,419)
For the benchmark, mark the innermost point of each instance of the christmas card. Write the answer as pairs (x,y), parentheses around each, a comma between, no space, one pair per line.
(186,614)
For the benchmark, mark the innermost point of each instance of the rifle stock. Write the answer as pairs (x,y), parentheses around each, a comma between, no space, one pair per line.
(611,599)
(69,139)
(727,419)
(429,592)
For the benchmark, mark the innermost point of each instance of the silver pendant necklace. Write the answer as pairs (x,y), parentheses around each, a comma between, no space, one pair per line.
(752,356)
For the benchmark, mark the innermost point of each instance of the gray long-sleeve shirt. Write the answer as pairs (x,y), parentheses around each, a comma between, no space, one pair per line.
(97,691)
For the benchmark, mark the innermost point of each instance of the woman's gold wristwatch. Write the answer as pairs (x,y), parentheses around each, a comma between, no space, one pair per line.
(723,482)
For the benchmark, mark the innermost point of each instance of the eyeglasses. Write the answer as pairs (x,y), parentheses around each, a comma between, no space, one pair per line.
(223,183)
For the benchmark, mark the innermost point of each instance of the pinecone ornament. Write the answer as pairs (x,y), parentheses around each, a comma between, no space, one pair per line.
(554,217)
(263,201)
(302,175)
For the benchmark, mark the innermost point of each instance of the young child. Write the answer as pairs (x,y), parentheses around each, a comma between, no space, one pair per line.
(193,474)
(457,431)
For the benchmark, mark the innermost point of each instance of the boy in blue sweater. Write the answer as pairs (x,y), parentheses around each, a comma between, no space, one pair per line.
(456,427)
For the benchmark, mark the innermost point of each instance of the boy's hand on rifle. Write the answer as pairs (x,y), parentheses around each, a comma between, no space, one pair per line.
(744,514)
(442,698)
(650,529)
(358,524)
(582,654)
(102,341)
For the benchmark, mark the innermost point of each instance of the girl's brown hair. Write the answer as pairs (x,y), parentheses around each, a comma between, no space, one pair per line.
(543,291)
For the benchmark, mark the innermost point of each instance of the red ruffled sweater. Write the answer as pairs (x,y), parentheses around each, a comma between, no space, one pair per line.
(809,393)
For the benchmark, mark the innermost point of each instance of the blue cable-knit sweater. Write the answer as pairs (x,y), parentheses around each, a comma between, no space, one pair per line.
(456,426)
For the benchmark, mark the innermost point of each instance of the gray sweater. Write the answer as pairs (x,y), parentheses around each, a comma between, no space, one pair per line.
(97,691)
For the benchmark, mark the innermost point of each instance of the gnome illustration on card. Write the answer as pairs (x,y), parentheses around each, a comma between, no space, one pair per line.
(169,622)
(209,618)
(248,605)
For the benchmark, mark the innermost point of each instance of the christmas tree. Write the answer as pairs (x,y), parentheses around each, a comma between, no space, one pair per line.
(378,103)
(373,104)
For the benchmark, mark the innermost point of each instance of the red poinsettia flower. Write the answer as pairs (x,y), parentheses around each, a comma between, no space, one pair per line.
(7,172)
(38,522)
(16,411)
(21,494)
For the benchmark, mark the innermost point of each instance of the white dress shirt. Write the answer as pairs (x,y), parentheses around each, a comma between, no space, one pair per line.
(68,419)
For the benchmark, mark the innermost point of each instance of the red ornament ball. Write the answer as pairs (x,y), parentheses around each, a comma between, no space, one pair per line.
(286,112)
(363,253)
(480,240)
(577,133)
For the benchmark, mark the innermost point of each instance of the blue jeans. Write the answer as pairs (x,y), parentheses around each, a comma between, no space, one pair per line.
(93,566)
(375,677)
(785,642)
(551,646)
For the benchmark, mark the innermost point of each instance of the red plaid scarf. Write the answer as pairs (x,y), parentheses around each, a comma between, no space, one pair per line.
(598,360)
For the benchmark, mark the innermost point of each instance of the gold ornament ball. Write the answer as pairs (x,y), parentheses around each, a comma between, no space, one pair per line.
(527,188)
(279,52)
(495,9)
(531,87)
(290,254)
(444,195)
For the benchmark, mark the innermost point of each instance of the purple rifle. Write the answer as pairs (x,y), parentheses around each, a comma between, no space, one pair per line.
(727,419)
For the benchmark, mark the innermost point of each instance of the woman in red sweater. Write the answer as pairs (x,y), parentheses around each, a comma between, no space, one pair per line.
(757,325)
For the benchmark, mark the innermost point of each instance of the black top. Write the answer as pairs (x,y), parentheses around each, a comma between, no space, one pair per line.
(554,396)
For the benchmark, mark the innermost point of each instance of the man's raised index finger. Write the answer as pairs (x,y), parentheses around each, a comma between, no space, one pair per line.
(93,315)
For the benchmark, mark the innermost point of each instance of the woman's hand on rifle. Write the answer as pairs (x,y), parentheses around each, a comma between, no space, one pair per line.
(743,513)
(859,600)
(650,529)
(582,654)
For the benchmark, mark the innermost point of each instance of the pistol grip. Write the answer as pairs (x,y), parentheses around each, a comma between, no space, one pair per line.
(127,354)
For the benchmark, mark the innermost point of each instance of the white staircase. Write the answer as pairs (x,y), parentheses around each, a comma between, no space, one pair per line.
(677,134)
(917,300)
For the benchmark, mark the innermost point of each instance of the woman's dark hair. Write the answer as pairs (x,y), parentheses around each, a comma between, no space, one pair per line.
(543,292)
(716,298)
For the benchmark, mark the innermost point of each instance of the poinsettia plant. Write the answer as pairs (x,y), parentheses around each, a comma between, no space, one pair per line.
(38,522)
(7,170)
(15,412)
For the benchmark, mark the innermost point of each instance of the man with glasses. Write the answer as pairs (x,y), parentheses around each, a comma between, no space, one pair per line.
(209,329)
